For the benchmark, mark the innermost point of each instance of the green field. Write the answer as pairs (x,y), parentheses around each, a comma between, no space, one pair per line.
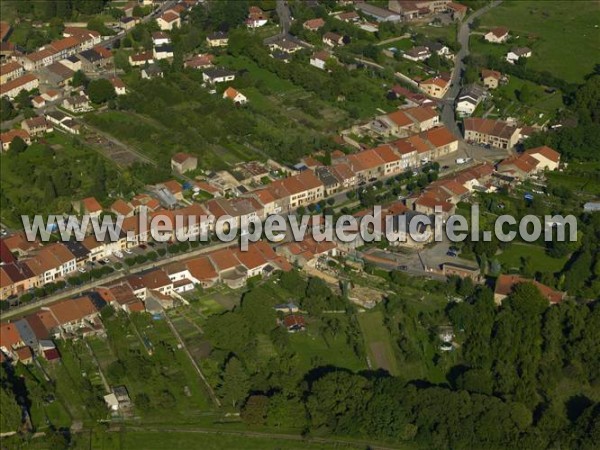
(563,35)
(378,341)
(511,258)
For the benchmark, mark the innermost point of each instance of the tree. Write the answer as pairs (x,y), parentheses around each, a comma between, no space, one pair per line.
(7,110)
(17,146)
(235,382)
(254,411)
(80,79)
(101,91)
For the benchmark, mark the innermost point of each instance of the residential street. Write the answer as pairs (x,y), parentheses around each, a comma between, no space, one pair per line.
(447,115)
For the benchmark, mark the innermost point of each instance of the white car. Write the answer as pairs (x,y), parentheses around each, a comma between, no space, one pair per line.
(81,269)
(118,254)
(129,252)
(106,260)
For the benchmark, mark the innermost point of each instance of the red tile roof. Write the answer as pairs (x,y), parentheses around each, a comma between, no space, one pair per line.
(546,152)
(506,283)
(201,268)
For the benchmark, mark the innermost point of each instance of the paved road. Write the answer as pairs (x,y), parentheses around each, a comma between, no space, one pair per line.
(117,275)
(448,116)
(285,16)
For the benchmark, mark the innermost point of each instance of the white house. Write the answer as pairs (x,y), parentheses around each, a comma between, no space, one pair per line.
(217,75)
(169,20)
(319,59)
(517,53)
(235,96)
(162,52)
(497,35)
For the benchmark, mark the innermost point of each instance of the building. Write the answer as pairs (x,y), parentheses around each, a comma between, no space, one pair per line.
(256,18)
(13,87)
(36,126)
(119,86)
(497,35)
(7,138)
(169,20)
(469,98)
(459,270)
(218,39)
(235,96)
(517,53)
(217,75)
(164,51)
(95,58)
(419,53)
(319,59)
(183,162)
(435,87)
(141,59)
(490,78)
(491,132)
(313,24)
(151,71)
(200,61)
(77,104)
(10,71)
(160,38)
(333,39)
(529,163)
(505,285)
(379,14)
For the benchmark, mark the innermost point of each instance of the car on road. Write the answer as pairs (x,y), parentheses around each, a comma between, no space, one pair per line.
(143,247)
(403,267)
(445,167)
(451,253)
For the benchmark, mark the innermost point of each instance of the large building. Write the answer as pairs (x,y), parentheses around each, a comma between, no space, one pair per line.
(491,132)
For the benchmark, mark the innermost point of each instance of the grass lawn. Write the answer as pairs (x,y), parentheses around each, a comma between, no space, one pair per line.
(190,440)
(511,258)
(314,350)
(378,341)
(580,178)
(562,34)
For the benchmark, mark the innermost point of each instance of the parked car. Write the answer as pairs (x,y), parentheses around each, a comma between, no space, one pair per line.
(129,252)
(81,269)
(106,260)
(451,253)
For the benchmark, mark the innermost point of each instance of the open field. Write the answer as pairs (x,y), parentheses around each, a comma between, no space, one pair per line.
(511,258)
(315,350)
(563,35)
(378,342)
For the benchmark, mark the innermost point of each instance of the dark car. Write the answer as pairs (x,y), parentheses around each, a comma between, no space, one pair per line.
(451,253)
(143,247)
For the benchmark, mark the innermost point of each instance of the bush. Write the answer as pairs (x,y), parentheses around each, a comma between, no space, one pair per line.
(118,266)
(26,297)
(130,261)
(161,251)
(140,259)
(152,256)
